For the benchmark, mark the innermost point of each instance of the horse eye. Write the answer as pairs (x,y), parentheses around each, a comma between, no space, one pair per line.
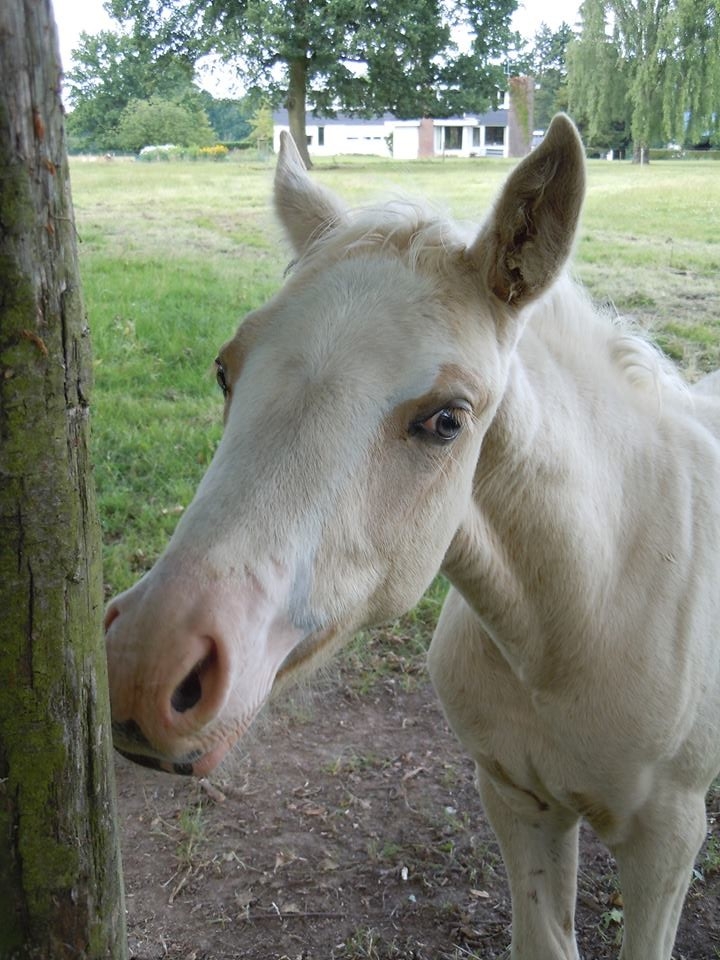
(444,425)
(220,376)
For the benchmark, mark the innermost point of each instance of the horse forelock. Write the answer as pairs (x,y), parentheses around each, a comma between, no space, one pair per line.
(565,318)
(420,236)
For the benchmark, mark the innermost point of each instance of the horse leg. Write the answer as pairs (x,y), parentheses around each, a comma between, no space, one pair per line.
(540,850)
(655,863)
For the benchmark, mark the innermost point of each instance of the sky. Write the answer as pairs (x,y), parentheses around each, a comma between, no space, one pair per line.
(72,17)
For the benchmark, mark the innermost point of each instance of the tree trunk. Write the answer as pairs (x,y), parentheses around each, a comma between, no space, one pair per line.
(297,92)
(60,881)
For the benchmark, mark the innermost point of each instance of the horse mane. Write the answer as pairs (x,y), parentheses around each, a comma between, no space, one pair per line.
(575,327)
(564,317)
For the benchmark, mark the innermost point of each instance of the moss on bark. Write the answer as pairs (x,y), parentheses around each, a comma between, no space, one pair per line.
(60,881)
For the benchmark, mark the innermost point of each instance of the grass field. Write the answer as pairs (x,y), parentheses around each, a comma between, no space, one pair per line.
(173,255)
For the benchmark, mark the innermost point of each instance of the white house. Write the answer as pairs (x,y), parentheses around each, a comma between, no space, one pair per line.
(331,136)
(484,135)
(492,134)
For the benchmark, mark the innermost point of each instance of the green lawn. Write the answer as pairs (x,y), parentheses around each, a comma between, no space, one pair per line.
(174,254)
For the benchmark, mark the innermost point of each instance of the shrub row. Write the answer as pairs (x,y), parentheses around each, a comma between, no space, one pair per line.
(168,151)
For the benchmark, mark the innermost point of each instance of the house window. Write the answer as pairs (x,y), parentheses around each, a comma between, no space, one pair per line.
(321,136)
(453,138)
(476,136)
(494,136)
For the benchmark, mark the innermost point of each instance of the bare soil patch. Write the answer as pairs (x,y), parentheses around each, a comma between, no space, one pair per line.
(348,828)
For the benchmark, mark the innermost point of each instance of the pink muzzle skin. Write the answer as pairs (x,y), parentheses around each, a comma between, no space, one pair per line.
(191,662)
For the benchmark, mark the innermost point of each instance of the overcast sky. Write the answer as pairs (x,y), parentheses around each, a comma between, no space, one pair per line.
(73,17)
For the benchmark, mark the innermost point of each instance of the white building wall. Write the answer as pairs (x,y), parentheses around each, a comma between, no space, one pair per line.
(371,139)
(366,139)
(406,141)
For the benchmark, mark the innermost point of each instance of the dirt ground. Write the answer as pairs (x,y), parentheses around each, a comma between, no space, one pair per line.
(348,828)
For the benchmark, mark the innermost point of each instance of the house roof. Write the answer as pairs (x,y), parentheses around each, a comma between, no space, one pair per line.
(493,118)
(281,117)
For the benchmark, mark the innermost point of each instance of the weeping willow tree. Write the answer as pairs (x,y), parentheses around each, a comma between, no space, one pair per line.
(649,67)
(691,94)
(60,886)
(596,82)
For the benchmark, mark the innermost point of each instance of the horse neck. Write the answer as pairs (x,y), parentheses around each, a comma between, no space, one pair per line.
(534,557)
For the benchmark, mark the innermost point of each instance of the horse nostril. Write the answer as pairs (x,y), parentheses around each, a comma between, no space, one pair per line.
(200,682)
(188,693)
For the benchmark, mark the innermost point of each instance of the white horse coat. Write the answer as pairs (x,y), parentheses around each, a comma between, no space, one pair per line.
(410,402)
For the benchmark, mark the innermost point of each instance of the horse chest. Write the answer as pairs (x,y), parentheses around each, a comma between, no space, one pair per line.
(539,749)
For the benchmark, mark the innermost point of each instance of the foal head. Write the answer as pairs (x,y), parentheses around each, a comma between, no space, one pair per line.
(356,402)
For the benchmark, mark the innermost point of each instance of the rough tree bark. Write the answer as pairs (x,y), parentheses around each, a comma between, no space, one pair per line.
(60,882)
(297,92)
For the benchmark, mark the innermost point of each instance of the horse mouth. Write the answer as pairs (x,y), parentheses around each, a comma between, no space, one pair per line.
(156,763)
(131,743)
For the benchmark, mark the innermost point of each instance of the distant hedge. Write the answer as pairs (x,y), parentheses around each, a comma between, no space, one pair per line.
(169,151)
(658,154)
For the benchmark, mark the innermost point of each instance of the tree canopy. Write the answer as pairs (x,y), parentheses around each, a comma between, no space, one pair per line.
(545,61)
(647,71)
(597,86)
(156,120)
(358,56)
(113,70)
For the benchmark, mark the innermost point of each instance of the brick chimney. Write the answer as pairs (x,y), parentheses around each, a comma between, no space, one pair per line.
(520,116)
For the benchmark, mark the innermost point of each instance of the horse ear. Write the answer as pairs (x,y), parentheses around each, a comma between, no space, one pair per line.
(530,233)
(305,208)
